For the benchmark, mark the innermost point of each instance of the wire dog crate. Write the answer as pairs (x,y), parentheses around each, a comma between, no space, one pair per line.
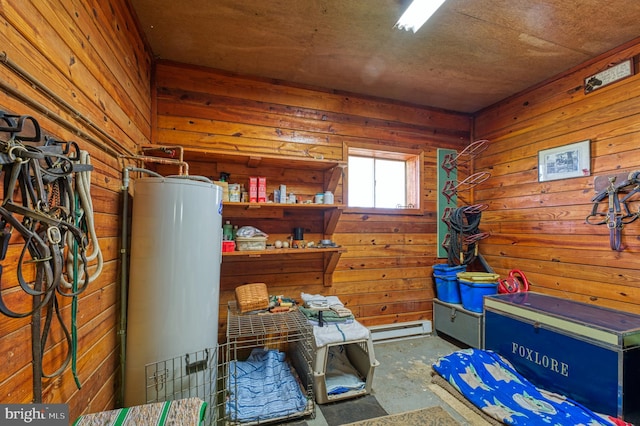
(279,344)
(190,375)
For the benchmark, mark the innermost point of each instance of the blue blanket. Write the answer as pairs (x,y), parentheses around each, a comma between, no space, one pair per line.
(492,384)
(263,387)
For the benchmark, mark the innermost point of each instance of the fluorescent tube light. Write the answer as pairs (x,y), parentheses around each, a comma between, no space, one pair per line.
(417,14)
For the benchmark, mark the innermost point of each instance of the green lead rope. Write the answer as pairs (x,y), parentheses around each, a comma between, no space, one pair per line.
(74,300)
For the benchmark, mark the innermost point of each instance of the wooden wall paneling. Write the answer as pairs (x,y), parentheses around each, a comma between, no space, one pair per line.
(511,114)
(205,108)
(90,55)
(196,79)
(60,64)
(540,227)
(105,65)
(229,109)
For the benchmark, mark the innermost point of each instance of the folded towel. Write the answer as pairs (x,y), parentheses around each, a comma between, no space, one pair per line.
(339,333)
(318,300)
(328,315)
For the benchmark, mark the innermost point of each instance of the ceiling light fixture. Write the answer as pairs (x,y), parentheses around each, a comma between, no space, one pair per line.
(417,14)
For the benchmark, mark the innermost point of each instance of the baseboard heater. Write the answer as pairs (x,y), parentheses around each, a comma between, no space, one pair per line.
(402,330)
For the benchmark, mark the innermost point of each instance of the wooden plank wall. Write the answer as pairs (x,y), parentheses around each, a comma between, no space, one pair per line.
(385,275)
(90,54)
(540,227)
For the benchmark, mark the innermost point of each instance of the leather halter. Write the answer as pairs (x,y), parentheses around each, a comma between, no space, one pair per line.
(617,212)
(38,204)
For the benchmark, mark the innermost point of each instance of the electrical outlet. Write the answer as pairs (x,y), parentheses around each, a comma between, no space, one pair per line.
(608,76)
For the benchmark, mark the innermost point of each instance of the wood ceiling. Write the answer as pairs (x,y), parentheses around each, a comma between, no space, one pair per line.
(469,55)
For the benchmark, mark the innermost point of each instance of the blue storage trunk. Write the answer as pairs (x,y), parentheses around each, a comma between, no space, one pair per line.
(588,353)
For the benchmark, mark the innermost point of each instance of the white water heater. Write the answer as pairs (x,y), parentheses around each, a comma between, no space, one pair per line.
(174,280)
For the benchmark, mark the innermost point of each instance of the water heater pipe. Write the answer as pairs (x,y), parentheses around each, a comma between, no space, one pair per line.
(184,167)
(122,332)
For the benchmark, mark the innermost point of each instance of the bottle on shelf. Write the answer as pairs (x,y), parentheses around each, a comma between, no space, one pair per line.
(227,231)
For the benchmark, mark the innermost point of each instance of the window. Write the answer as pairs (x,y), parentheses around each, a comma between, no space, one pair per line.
(379,179)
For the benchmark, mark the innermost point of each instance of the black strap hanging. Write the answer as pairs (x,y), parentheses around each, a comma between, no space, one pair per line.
(38,185)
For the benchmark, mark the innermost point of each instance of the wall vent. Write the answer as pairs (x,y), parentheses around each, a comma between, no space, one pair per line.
(403,330)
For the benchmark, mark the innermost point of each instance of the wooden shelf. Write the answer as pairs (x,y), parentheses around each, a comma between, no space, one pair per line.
(331,212)
(280,206)
(333,168)
(322,218)
(282,252)
(330,256)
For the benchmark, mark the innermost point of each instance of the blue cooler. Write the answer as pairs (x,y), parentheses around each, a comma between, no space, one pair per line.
(446,279)
(474,286)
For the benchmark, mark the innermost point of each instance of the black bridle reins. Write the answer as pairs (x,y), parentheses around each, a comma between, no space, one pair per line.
(38,203)
(617,213)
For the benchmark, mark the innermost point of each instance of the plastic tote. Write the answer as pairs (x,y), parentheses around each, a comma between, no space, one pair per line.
(445,270)
(447,282)
(474,286)
(447,289)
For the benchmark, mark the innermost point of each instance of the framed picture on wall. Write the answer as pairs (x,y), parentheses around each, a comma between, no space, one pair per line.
(568,161)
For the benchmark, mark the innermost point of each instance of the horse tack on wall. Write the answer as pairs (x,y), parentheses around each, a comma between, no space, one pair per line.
(616,194)
(448,188)
(47,201)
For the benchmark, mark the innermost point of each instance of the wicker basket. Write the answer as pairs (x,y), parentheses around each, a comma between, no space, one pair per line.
(252,297)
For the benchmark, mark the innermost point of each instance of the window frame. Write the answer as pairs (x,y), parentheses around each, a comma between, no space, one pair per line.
(414,160)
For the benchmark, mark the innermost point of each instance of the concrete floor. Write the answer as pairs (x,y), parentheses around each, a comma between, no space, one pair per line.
(402,381)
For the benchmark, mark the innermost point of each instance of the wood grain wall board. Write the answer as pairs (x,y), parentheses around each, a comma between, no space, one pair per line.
(97,391)
(602,257)
(396,318)
(237,267)
(101,61)
(51,62)
(576,212)
(18,388)
(524,155)
(106,77)
(56,347)
(279,279)
(385,238)
(229,109)
(190,78)
(585,113)
(406,261)
(540,227)
(250,145)
(381,274)
(424,282)
(561,90)
(122,41)
(548,227)
(100,356)
(388,251)
(374,226)
(577,242)
(214,110)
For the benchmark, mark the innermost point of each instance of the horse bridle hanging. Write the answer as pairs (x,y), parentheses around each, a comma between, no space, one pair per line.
(617,212)
(38,203)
